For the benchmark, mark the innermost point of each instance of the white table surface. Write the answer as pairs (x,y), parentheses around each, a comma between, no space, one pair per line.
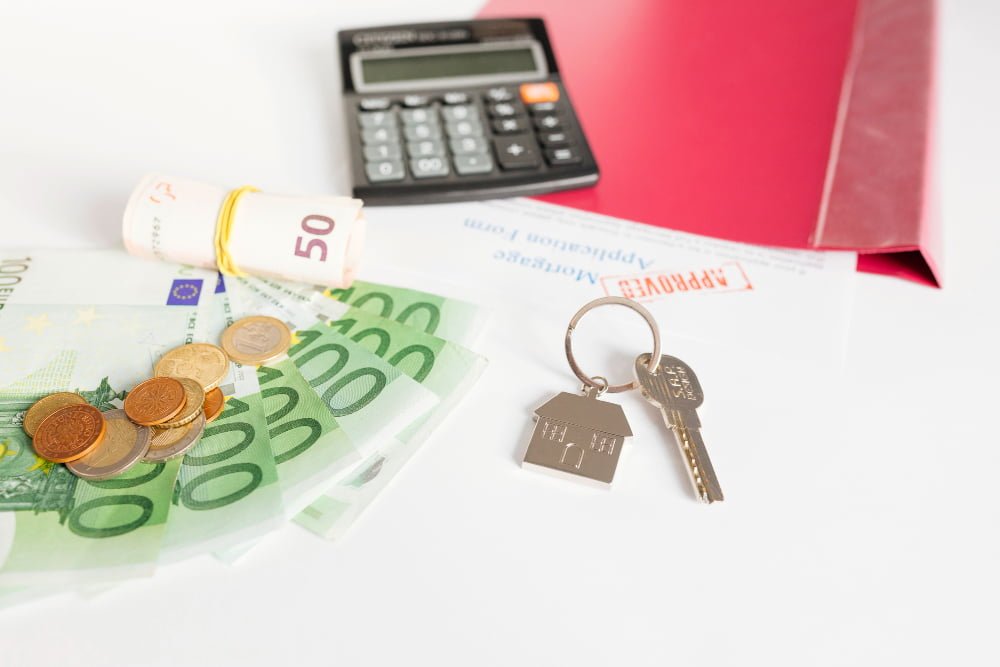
(891,557)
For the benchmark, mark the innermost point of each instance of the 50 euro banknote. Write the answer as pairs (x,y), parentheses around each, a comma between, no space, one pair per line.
(318,239)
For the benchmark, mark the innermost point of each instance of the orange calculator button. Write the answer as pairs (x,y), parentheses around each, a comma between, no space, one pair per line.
(533,93)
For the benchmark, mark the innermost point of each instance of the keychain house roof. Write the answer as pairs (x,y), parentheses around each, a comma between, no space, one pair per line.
(579,437)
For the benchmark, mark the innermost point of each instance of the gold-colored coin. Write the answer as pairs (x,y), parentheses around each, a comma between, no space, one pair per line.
(154,401)
(256,340)
(123,445)
(46,406)
(194,398)
(169,443)
(203,362)
(214,403)
(70,433)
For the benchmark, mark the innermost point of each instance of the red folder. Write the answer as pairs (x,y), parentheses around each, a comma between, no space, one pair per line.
(779,122)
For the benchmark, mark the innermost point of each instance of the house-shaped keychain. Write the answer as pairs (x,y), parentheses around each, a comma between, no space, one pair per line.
(579,437)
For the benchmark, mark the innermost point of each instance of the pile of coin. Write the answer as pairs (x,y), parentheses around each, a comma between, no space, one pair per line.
(162,417)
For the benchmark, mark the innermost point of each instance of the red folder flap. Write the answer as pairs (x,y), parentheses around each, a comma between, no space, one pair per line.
(779,122)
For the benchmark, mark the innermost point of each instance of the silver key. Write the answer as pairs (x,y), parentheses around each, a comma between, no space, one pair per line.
(675,389)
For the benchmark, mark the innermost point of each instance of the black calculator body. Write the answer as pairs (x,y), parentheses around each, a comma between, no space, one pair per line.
(457,111)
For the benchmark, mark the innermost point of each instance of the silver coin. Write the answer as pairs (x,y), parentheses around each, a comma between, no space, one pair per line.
(169,443)
(123,445)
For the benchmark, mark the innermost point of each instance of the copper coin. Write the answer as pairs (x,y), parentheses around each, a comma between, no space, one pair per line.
(256,340)
(44,407)
(214,402)
(70,433)
(154,401)
(194,397)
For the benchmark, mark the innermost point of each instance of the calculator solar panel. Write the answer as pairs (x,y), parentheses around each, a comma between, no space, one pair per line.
(458,111)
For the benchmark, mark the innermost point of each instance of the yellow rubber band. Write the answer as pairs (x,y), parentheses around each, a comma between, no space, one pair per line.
(224,228)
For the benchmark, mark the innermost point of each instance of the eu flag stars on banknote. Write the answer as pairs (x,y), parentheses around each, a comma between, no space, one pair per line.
(174,413)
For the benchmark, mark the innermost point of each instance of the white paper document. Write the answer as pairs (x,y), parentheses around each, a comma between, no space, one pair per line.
(764,328)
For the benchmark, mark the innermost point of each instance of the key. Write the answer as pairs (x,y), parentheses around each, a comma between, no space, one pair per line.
(675,389)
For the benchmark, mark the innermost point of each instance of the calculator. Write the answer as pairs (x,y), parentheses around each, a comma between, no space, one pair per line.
(457,111)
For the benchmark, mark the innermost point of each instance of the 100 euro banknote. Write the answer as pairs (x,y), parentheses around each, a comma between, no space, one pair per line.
(91,322)
(443,367)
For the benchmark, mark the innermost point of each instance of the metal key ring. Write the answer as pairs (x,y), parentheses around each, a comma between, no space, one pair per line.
(654,358)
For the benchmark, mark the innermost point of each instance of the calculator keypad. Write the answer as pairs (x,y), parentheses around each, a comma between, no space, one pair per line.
(458,134)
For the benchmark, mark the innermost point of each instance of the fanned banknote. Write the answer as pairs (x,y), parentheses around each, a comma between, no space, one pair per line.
(370,398)
(70,322)
(447,369)
(227,491)
(452,319)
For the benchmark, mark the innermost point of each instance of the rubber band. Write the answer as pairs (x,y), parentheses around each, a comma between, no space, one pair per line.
(224,229)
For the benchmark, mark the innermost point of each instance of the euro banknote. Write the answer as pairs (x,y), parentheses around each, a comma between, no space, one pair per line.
(445,317)
(69,322)
(310,238)
(227,491)
(445,368)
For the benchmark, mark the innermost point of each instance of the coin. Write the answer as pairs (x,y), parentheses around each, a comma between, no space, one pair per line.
(256,340)
(203,362)
(46,406)
(154,401)
(70,433)
(214,402)
(123,445)
(194,397)
(169,443)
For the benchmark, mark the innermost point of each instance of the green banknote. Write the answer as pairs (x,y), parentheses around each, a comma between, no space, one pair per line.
(371,399)
(444,367)
(66,530)
(227,491)
(309,446)
(452,319)
(69,322)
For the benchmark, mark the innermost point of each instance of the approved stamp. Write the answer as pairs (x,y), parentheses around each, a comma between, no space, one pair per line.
(726,277)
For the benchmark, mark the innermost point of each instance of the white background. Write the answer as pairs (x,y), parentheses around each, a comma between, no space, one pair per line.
(871,538)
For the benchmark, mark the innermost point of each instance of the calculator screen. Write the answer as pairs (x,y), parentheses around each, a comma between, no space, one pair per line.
(448,65)
(444,65)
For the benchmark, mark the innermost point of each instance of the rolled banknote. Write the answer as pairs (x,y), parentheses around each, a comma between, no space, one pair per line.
(308,239)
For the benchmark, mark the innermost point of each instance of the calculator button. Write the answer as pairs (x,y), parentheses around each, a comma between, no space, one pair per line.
(415,101)
(425,148)
(560,156)
(379,135)
(510,125)
(428,167)
(461,112)
(548,122)
(421,115)
(377,119)
(455,97)
(419,131)
(554,139)
(468,145)
(533,93)
(543,107)
(516,152)
(464,128)
(505,109)
(385,170)
(473,164)
(389,151)
(374,104)
(499,94)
